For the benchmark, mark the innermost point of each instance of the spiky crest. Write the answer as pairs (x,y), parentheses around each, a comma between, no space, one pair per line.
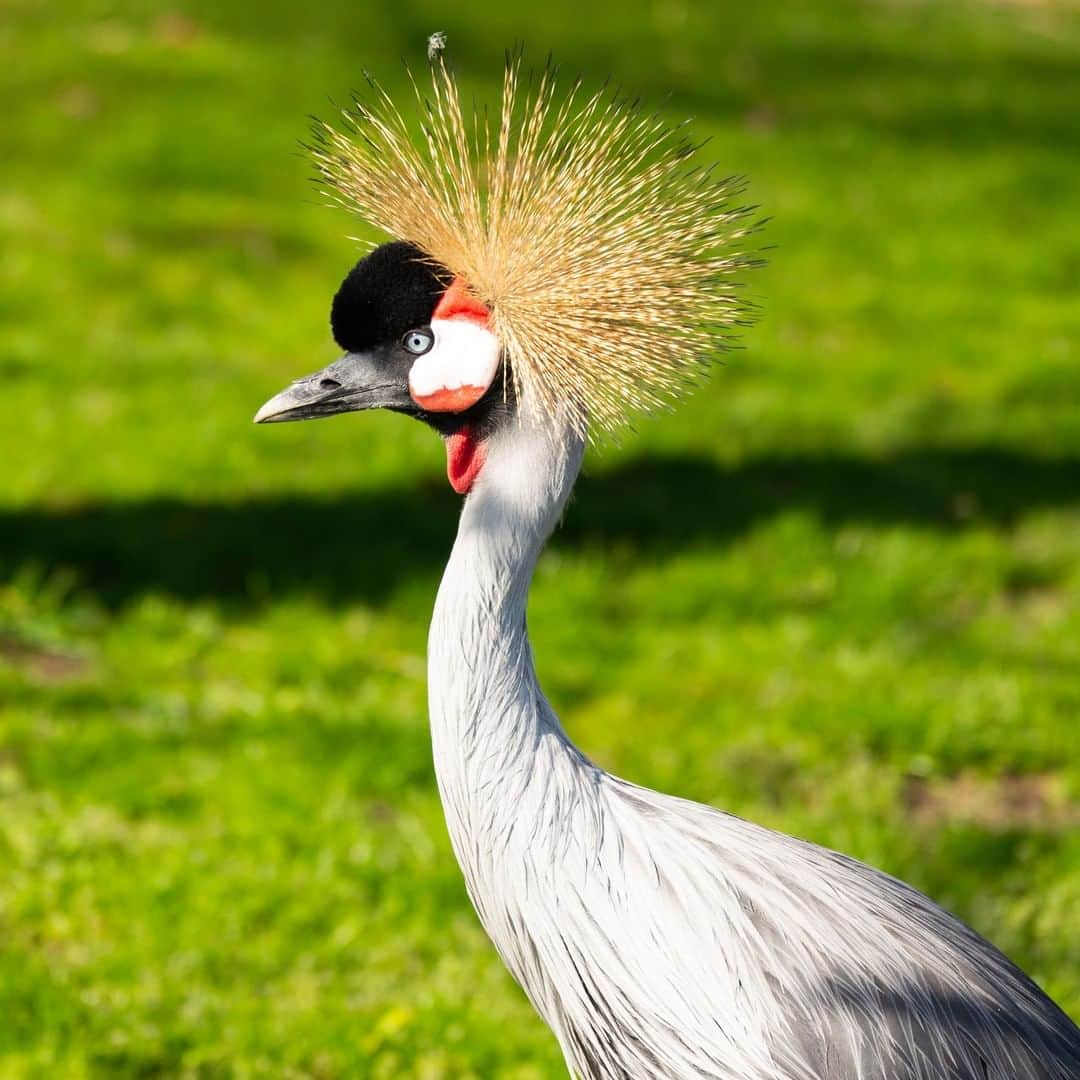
(604,251)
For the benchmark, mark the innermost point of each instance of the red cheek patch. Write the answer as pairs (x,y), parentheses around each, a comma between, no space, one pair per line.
(458,303)
(457,400)
(458,370)
(464,459)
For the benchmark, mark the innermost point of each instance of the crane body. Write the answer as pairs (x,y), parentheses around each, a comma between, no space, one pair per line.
(662,938)
(575,276)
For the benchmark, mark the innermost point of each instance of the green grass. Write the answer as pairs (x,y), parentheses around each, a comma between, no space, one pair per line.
(838,592)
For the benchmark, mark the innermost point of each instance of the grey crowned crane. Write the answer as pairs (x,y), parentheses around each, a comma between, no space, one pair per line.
(547,277)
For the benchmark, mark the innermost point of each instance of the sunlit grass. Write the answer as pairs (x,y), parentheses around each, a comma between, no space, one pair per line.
(838,592)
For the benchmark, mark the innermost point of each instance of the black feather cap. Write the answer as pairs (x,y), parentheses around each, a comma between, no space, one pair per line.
(390,291)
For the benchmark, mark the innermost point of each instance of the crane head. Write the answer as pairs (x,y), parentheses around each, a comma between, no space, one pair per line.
(565,257)
(415,341)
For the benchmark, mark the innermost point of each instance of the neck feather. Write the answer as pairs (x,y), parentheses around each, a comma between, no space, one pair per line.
(489,718)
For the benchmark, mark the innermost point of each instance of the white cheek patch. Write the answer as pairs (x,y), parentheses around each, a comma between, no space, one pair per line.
(458,369)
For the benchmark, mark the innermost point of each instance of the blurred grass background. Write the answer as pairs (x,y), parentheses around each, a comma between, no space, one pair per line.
(838,592)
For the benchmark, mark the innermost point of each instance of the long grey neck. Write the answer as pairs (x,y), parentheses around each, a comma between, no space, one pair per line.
(489,718)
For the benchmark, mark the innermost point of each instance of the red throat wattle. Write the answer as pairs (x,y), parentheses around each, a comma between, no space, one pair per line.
(464,459)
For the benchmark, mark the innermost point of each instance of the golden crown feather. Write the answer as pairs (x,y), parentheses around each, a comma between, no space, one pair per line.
(605,252)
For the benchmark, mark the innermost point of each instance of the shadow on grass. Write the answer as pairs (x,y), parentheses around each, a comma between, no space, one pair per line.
(364,546)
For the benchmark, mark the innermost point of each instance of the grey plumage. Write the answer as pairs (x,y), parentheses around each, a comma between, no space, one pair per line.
(661,938)
(658,938)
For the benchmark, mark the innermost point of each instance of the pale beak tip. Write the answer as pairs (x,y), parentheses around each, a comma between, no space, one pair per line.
(268,412)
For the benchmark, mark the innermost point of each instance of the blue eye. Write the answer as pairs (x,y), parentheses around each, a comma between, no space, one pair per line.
(418,341)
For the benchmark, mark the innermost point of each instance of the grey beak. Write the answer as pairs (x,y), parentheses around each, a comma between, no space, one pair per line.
(356,381)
